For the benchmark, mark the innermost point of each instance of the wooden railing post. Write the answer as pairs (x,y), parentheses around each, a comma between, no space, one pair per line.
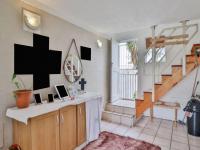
(184,24)
(153,68)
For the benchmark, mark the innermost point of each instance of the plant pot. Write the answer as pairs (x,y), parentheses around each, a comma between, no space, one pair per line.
(23,98)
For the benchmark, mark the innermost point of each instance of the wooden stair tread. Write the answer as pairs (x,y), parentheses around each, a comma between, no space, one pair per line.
(190,62)
(158,83)
(147,92)
(176,65)
(166,75)
(190,55)
(139,99)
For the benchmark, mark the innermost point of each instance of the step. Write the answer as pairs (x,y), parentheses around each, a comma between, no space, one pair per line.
(194,47)
(190,67)
(157,85)
(191,59)
(119,114)
(120,109)
(166,77)
(176,68)
(119,118)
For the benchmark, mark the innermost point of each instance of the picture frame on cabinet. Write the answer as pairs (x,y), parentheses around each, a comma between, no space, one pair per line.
(38,99)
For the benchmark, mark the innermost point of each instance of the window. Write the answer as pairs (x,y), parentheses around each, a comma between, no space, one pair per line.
(124,57)
(160,55)
(148,56)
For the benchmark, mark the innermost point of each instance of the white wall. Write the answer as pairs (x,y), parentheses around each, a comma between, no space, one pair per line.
(182,92)
(96,71)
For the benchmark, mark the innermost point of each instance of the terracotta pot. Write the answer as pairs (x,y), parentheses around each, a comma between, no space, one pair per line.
(23,98)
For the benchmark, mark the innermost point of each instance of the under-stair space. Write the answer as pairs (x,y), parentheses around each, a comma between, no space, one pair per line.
(120,112)
(168,81)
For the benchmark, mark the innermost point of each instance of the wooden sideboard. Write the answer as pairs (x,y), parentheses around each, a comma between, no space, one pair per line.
(63,129)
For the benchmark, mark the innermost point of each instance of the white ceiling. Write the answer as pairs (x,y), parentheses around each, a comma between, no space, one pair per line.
(115,16)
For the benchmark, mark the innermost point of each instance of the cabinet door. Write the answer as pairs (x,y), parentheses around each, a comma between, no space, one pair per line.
(81,124)
(68,132)
(45,132)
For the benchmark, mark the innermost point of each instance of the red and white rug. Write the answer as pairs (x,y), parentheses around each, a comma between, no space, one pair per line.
(110,141)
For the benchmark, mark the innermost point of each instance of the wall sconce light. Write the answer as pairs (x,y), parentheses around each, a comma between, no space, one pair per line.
(99,44)
(31,21)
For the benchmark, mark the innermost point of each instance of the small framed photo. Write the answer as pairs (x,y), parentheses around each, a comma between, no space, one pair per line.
(50,98)
(38,99)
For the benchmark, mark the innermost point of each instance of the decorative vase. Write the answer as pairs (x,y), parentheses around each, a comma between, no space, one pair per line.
(23,98)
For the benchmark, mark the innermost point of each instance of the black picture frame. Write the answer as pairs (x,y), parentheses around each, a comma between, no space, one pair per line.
(38,99)
(50,98)
(85,53)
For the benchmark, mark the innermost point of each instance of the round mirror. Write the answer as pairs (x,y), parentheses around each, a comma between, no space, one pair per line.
(72,65)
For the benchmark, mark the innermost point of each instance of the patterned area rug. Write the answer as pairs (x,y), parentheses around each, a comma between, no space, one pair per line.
(110,141)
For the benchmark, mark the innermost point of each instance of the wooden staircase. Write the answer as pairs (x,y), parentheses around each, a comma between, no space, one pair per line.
(167,83)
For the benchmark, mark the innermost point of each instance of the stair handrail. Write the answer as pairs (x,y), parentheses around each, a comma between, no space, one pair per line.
(180,51)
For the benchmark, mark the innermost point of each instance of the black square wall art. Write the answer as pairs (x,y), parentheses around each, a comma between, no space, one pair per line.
(37,60)
(85,53)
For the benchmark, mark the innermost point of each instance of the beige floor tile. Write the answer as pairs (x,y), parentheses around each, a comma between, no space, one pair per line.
(137,129)
(165,130)
(152,126)
(153,122)
(142,122)
(108,126)
(179,146)
(181,128)
(180,139)
(156,120)
(162,142)
(132,133)
(121,130)
(180,133)
(149,131)
(163,147)
(166,124)
(194,141)
(164,133)
(194,148)
(147,138)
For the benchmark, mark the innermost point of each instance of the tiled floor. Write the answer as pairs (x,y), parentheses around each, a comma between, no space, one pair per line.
(159,132)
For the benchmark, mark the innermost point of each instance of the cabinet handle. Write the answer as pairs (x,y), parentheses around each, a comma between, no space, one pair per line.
(57,117)
(80,110)
(62,118)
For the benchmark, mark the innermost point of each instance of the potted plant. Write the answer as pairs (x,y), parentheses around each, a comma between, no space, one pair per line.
(23,95)
(14,147)
(133,50)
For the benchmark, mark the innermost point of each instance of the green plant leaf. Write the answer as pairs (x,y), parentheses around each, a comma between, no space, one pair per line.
(13,77)
(17,85)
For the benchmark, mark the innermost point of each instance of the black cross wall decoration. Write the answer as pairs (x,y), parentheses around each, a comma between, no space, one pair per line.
(37,60)
(82,83)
